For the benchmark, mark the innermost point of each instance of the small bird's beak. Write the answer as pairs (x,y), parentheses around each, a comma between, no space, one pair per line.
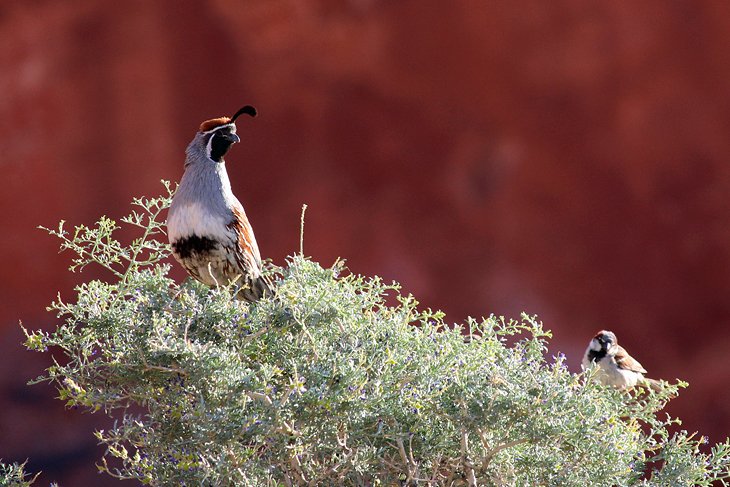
(234,138)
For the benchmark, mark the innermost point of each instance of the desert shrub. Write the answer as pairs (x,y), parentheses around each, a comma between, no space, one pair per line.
(339,379)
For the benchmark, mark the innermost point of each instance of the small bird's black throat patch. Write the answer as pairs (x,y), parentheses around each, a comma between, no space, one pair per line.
(186,247)
(595,356)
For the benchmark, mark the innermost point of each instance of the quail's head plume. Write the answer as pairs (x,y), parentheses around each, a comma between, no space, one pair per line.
(206,225)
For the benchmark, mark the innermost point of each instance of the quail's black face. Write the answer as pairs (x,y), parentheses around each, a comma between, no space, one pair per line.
(221,141)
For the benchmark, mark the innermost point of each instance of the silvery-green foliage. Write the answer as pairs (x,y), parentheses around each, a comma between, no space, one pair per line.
(337,380)
(14,475)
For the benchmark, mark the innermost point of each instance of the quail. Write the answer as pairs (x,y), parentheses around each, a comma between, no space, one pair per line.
(615,366)
(207,227)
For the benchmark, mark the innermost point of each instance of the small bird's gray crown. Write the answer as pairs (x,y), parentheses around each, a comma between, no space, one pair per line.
(605,339)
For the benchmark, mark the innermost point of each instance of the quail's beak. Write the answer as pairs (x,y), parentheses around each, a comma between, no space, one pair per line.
(233,138)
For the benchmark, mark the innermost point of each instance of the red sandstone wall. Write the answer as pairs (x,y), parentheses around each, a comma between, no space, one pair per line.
(565,158)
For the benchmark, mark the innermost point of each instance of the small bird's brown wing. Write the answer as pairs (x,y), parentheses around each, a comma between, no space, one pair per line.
(626,361)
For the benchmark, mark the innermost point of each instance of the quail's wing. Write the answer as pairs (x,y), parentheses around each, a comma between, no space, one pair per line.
(248,257)
(626,361)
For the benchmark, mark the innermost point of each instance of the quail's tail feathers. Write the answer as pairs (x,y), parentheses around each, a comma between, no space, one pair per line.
(257,289)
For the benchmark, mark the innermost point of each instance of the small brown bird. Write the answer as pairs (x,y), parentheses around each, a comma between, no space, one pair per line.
(206,225)
(615,366)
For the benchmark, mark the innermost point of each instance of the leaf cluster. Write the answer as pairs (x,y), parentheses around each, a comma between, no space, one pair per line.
(14,475)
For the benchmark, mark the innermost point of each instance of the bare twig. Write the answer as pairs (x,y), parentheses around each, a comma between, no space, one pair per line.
(502,446)
(257,396)
(301,231)
(411,468)
(468,467)
(297,468)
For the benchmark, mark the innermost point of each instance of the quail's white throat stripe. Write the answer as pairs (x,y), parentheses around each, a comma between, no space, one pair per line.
(231,125)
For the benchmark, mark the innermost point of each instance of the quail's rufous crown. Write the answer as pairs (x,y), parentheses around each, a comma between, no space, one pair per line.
(214,123)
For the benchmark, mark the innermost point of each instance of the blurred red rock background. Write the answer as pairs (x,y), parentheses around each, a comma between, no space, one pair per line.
(564,158)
